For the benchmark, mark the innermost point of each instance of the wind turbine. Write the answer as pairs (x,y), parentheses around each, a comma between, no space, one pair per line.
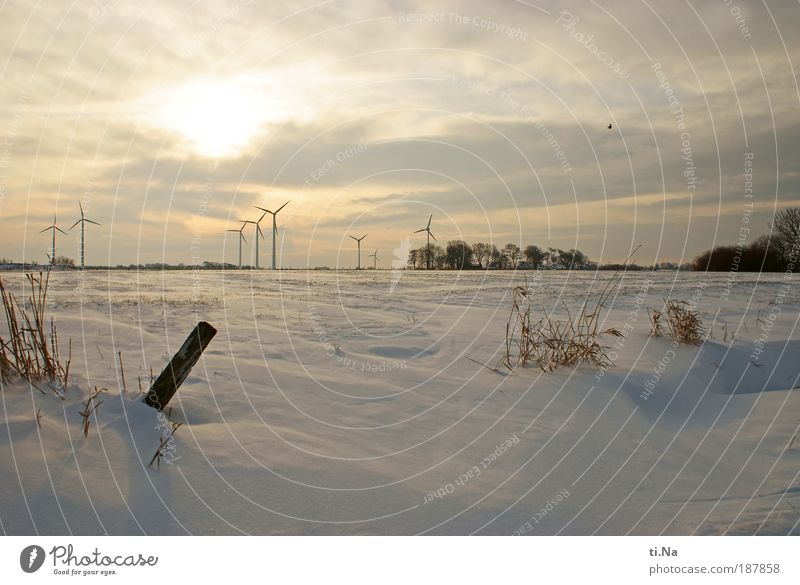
(240,231)
(274,227)
(258,232)
(53,227)
(427,228)
(374,259)
(82,221)
(359,248)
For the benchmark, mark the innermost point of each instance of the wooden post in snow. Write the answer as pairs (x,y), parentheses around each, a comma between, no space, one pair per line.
(170,379)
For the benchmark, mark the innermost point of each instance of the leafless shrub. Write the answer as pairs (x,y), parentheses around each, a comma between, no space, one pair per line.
(550,343)
(30,350)
(677,320)
(90,407)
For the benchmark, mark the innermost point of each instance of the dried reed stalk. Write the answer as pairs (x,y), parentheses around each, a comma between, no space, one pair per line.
(30,348)
(90,407)
(163,444)
(678,321)
(550,343)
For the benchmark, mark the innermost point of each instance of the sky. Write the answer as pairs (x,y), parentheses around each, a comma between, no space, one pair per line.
(170,121)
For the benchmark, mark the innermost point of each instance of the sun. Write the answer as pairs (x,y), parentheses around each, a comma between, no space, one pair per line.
(217,118)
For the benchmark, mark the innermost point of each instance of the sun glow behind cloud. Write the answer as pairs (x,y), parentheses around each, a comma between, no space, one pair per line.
(217,117)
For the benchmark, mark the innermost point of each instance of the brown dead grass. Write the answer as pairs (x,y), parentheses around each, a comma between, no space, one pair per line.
(29,348)
(678,321)
(550,343)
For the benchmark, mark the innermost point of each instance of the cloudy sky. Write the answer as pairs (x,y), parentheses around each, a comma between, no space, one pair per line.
(169,121)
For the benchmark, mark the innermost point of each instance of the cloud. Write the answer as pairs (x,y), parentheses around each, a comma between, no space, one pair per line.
(492,116)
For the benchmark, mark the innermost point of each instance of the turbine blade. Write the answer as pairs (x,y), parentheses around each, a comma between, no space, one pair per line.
(260,232)
(76,223)
(241,235)
(90,221)
(429,220)
(263,215)
(47,228)
(282,206)
(349,236)
(422,230)
(62,231)
(262,209)
(364,236)
(81,206)
(434,237)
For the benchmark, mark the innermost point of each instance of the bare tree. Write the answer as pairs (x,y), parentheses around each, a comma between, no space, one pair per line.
(458,254)
(438,257)
(481,251)
(512,253)
(572,258)
(553,256)
(786,231)
(412,259)
(534,255)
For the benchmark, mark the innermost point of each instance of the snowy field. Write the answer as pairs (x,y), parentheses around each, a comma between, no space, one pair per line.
(344,403)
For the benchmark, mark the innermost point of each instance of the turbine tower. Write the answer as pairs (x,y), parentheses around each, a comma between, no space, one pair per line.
(375,259)
(240,231)
(274,226)
(82,221)
(53,227)
(359,248)
(428,247)
(258,232)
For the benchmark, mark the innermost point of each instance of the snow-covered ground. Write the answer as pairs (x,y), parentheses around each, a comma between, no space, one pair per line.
(344,402)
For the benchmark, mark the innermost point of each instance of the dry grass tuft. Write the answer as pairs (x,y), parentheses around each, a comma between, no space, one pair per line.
(550,343)
(90,407)
(677,320)
(30,350)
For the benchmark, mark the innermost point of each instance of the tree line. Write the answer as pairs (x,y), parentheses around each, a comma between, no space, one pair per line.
(776,251)
(460,255)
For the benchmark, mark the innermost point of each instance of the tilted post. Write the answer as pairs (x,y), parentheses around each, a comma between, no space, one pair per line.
(170,379)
